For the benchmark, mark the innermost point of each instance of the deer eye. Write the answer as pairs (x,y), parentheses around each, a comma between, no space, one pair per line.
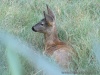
(42,23)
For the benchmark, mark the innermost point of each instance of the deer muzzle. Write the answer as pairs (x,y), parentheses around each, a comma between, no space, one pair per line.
(33,29)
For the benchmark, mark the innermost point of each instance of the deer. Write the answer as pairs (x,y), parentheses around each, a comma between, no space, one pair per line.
(61,52)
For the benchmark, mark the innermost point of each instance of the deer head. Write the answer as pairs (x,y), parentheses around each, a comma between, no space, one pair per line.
(47,24)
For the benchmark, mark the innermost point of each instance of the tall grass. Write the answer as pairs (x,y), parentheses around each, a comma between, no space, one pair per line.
(78,23)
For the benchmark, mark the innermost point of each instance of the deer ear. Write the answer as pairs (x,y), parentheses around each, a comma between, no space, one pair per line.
(50,12)
(48,18)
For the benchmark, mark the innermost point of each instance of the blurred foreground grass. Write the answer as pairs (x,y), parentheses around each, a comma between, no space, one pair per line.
(78,23)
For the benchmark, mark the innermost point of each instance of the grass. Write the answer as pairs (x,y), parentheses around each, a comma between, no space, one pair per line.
(78,23)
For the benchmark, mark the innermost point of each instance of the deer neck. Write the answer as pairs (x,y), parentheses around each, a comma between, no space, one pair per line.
(51,39)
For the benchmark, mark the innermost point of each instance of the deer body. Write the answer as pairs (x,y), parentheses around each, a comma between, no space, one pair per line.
(54,47)
(57,49)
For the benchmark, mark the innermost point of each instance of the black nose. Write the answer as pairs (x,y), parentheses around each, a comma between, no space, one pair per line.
(33,29)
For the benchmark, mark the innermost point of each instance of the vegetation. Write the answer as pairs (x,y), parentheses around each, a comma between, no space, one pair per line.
(78,23)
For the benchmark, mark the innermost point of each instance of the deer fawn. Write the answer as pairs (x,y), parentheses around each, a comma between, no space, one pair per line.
(54,47)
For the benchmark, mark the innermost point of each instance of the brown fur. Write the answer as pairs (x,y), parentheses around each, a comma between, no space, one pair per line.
(61,52)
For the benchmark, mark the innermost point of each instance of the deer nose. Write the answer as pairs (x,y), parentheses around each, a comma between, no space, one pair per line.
(33,29)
